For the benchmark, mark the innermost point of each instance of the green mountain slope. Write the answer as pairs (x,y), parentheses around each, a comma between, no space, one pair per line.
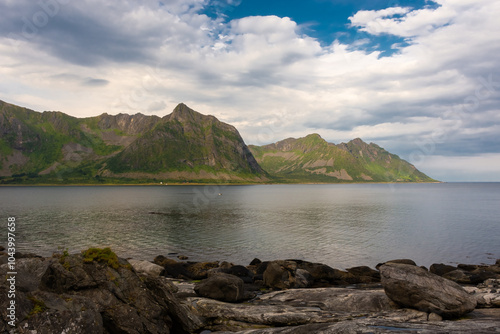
(312,159)
(52,147)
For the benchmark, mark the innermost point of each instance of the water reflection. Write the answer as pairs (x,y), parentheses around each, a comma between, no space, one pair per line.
(341,225)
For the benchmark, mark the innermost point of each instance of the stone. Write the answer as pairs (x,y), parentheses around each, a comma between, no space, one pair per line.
(475,276)
(364,274)
(255,262)
(440,269)
(280,274)
(331,299)
(223,287)
(303,279)
(242,272)
(322,273)
(487,294)
(403,261)
(414,287)
(87,294)
(199,270)
(146,267)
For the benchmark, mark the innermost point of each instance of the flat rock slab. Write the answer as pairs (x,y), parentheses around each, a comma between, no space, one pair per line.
(331,299)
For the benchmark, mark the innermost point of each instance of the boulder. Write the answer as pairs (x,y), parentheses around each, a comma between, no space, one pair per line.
(474,276)
(440,269)
(146,267)
(199,270)
(414,287)
(364,274)
(280,274)
(403,261)
(93,292)
(323,274)
(223,287)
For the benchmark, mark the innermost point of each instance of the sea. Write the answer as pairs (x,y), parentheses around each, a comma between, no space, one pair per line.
(341,225)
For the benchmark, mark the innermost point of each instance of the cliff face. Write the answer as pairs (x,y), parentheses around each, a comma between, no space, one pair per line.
(313,159)
(184,145)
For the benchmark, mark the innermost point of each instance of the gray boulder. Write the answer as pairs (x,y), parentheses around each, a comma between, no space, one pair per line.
(146,267)
(414,287)
(223,287)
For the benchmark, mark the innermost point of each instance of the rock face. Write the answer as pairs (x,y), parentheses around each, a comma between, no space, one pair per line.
(414,287)
(223,287)
(77,294)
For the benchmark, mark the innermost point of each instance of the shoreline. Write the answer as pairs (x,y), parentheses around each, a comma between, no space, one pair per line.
(95,291)
(216,184)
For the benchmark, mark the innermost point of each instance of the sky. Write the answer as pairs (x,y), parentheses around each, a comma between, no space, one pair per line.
(419,78)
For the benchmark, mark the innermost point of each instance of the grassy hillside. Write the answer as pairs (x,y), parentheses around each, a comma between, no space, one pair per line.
(312,159)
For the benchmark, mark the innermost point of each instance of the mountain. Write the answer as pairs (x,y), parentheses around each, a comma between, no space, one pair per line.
(312,159)
(52,147)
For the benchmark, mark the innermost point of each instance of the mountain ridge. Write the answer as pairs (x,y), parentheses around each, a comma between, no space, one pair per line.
(183,146)
(313,158)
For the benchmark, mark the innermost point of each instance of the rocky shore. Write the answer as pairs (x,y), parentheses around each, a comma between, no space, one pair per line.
(97,292)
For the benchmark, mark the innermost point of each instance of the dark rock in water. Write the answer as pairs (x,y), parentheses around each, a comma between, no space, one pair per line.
(365,274)
(322,273)
(182,257)
(475,276)
(280,274)
(468,267)
(440,269)
(497,262)
(199,270)
(414,287)
(403,261)
(255,262)
(223,287)
(241,272)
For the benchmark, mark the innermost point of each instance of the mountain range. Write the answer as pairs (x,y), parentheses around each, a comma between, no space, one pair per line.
(185,146)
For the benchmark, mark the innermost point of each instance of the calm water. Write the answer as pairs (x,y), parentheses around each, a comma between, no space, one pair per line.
(340,225)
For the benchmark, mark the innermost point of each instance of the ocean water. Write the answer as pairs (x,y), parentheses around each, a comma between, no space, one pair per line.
(342,225)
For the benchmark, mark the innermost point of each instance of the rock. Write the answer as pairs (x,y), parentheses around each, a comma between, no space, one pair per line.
(280,274)
(223,287)
(414,287)
(364,274)
(440,269)
(94,293)
(303,279)
(474,276)
(146,267)
(255,262)
(487,294)
(245,274)
(53,313)
(174,269)
(182,257)
(29,272)
(199,270)
(322,273)
(497,262)
(331,299)
(403,261)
